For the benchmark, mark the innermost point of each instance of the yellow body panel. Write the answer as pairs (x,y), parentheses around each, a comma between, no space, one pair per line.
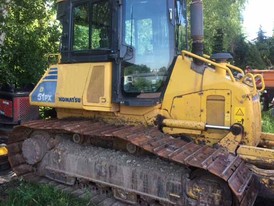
(195,95)
(85,86)
(183,81)
(213,98)
(244,107)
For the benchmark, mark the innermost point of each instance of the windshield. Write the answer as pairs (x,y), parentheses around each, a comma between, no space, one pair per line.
(149,39)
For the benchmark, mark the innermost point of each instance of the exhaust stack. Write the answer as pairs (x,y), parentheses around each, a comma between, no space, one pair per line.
(197,26)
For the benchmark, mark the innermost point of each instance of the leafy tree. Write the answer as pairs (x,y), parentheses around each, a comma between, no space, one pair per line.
(222,22)
(271,51)
(261,35)
(254,58)
(30,34)
(218,43)
(3,15)
(264,46)
(240,51)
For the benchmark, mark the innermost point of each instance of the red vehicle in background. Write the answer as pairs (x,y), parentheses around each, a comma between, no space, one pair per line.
(268,94)
(14,110)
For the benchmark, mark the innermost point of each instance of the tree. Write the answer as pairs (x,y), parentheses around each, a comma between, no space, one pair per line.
(254,58)
(271,51)
(263,44)
(30,34)
(222,20)
(240,51)
(261,35)
(218,41)
(3,15)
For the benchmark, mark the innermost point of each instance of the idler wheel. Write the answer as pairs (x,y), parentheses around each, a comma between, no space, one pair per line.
(35,148)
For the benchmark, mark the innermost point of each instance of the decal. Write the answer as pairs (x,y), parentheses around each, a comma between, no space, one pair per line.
(70,99)
(45,92)
(239,115)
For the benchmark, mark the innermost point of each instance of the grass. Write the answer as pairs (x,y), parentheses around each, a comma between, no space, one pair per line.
(268,121)
(30,194)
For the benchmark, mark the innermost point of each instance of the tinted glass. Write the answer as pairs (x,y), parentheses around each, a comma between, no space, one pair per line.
(101,25)
(92,26)
(81,27)
(150,45)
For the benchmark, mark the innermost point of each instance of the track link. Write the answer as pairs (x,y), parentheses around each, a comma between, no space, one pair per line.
(218,162)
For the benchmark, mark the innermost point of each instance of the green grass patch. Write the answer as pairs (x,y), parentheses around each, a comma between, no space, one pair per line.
(30,194)
(268,121)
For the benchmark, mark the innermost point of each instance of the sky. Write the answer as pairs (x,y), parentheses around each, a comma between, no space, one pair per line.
(256,13)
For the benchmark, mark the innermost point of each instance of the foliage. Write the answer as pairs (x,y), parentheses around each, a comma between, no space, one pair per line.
(30,33)
(258,54)
(240,51)
(271,50)
(223,33)
(254,58)
(33,194)
(218,44)
(47,113)
(264,46)
(268,121)
(222,20)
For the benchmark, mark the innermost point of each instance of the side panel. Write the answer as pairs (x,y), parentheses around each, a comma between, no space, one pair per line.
(76,86)
(187,107)
(182,81)
(197,94)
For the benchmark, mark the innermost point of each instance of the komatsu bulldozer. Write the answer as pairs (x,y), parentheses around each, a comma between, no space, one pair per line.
(143,117)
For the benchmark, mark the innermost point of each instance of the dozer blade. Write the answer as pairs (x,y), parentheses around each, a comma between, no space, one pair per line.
(261,162)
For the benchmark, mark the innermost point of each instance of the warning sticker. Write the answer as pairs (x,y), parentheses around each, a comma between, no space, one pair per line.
(239,115)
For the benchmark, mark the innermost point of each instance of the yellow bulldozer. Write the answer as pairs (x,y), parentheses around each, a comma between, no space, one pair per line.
(143,117)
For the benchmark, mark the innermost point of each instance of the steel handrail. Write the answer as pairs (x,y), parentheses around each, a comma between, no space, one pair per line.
(235,68)
(262,81)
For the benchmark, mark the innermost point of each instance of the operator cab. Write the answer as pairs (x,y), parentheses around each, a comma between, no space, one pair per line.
(140,37)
